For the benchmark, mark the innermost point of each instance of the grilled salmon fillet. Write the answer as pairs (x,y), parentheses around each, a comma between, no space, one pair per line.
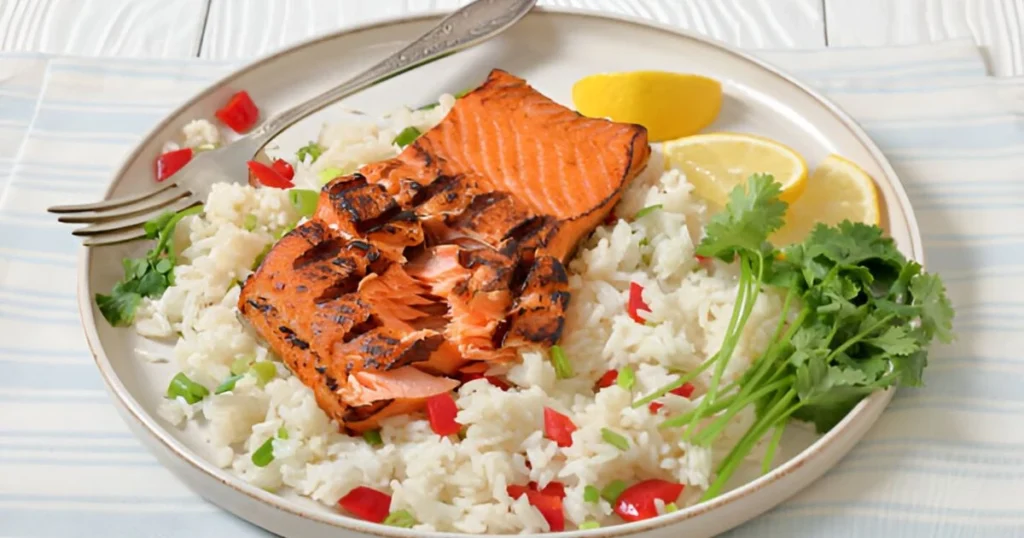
(444,259)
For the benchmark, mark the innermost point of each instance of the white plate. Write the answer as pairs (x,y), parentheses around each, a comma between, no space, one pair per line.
(551,49)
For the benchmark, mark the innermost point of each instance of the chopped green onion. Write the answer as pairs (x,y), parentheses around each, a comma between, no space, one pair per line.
(304,201)
(671,507)
(228,384)
(182,386)
(591,494)
(250,223)
(587,525)
(406,137)
(282,433)
(400,518)
(264,371)
(650,323)
(562,367)
(281,233)
(646,211)
(463,93)
(259,257)
(644,242)
(264,454)
(312,149)
(614,439)
(626,378)
(327,174)
(241,365)
(612,491)
(373,437)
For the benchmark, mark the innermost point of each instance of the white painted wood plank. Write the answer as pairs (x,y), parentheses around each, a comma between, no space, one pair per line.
(126,28)
(239,29)
(997,25)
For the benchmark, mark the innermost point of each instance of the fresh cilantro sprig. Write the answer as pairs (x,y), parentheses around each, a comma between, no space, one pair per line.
(857,317)
(149,276)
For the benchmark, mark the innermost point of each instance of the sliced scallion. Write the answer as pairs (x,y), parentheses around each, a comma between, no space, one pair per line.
(671,507)
(282,433)
(612,491)
(312,149)
(241,365)
(228,384)
(401,518)
(259,257)
(263,371)
(591,494)
(182,386)
(626,378)
(406,137)
(264,454)
(327,174)
(587,525)
(373,437)
(304,201)
(562,367)
(250,223)
(647,211)
(614,439)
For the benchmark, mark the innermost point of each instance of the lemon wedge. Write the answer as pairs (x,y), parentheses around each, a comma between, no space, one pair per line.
(716,162)
(669,105)
(837,190)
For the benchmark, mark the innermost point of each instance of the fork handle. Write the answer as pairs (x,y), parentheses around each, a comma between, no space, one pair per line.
(469,26)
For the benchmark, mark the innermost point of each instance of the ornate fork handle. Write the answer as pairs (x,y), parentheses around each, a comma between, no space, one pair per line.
(466,27)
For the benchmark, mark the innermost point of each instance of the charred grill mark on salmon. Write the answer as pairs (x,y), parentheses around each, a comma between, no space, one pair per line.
(452,251)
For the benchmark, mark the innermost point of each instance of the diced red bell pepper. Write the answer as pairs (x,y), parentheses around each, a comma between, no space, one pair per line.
(636,302)
(701,259)
(685,391)
(606,380)
(553,488)
(240,114)
(441,411)
(549,506)
(611,218)
(654,407)
(637,501)
(172,161)
(367,504)
(558,427)
(268,177)
(283,168)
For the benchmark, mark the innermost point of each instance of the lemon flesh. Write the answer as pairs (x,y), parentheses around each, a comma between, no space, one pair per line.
(837,190)
(715,163)
(669,105)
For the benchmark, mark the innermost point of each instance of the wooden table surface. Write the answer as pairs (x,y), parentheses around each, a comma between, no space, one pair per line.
(242,29)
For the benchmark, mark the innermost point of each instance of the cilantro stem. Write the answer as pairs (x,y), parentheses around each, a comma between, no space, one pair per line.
(682,380)
(707,435)
(773,445)
(166,237)
(860,336)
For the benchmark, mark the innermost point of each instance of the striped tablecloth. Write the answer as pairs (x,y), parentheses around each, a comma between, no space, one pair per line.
(944,461)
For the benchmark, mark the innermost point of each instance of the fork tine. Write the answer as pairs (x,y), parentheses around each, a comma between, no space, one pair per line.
(161,199)
(134,220)
(120,236)
(113,202)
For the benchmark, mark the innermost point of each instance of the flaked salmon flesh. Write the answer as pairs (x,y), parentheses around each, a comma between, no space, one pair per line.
(444,260)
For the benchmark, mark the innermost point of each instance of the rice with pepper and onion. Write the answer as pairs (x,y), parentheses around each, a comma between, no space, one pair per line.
(459,483)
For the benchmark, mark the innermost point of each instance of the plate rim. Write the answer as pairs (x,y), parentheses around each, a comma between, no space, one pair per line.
(149,424)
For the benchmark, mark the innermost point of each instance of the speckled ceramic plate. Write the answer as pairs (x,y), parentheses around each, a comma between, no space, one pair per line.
(551,49)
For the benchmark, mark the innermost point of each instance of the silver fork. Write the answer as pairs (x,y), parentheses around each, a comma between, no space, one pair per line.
(121,219)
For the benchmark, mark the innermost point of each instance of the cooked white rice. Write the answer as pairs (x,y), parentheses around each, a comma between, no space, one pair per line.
(461,485)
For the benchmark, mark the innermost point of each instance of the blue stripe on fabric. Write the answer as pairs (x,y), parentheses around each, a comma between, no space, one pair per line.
(969,256)
(933,470)
(27,257)
(17,108)
(992,135)
(106,71)
(53,120)
(65,434)
(783,523)
(78,462)
(64,376)
(47,521)
(40,238)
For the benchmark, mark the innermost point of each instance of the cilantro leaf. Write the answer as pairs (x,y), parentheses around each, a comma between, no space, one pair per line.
(312,150)
(895,341)
(144,277)
(936,310)
(754,211)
